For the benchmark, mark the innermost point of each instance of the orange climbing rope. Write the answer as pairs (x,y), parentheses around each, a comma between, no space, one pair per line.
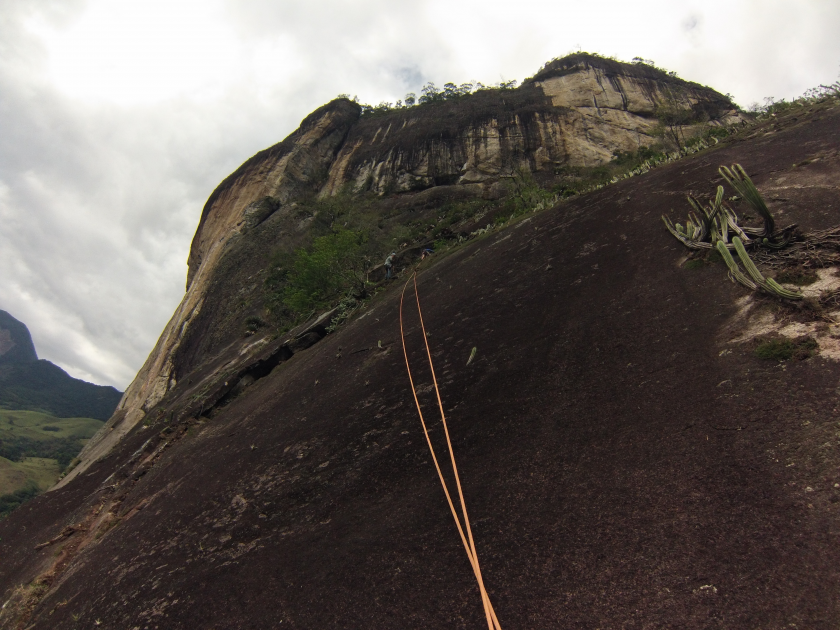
(469,543)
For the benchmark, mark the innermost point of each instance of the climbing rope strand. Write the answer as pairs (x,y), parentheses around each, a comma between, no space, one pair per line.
(492,621)
(477,567)
(445,426)
(488,611)
(431,448)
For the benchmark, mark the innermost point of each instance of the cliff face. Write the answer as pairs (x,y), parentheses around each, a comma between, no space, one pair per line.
(283,172)
(280,172)
(620,445)
(575,112)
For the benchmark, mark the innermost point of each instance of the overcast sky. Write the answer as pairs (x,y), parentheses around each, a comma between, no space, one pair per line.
(119,117)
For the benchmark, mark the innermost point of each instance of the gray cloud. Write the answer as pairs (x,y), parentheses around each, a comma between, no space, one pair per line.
(410,76)
(100,196)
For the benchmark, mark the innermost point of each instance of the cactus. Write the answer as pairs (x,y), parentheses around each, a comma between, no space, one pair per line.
(757,280)
(732,220)
(768,284)
(716,226)
(718,203)
(740,181)
(735,273)
(718,222)
(706,225)
(749,265)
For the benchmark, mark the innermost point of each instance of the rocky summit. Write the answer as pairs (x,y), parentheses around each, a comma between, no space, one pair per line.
(640,441)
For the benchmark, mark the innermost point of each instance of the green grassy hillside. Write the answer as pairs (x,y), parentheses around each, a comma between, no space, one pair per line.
(41,426)
(36,434)
(34,449)
(35,471)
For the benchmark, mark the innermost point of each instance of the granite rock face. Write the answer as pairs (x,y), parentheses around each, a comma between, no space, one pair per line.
(269,489)
(577,111)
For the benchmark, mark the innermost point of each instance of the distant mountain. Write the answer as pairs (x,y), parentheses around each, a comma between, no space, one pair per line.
(15,341)
(29,383)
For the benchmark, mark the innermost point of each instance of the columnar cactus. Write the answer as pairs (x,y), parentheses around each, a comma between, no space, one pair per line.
(756,280)
(768,284)
(741,182)
(735,273)
(715,225)
(705,226)
(718,222)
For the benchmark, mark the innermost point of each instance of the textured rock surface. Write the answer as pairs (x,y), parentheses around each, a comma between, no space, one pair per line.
(626,461)
(576,112)
(279,172)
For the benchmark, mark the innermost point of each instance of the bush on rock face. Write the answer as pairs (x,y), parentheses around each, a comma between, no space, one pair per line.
(335,264)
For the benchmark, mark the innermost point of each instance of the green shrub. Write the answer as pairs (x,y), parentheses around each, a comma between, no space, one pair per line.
(786,349)
(628,160)
(806,348)
(775,349)
(717,132)
(578,180)
(335,264)
(694,263)
(526,194)
(254,323)
(345,307)
(673,116)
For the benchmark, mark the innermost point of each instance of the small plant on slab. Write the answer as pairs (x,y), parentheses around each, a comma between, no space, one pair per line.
(694,263)
(798,276)
(253,324)
(786,349)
